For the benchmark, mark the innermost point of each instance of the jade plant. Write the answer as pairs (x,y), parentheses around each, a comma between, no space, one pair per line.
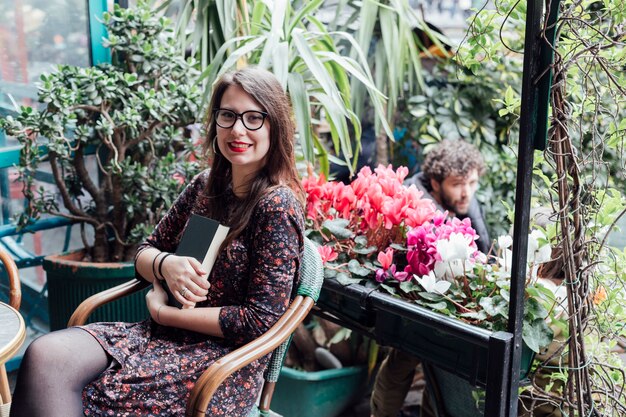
(115,136)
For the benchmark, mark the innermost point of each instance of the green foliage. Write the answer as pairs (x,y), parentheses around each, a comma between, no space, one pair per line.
(131,114)
(386,32)
(577,182)
(484,44)
(482,298)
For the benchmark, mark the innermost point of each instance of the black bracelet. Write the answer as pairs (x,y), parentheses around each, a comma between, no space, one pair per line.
(154,266)
(161,265)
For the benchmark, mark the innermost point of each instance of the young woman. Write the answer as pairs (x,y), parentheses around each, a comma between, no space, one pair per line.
(149,368)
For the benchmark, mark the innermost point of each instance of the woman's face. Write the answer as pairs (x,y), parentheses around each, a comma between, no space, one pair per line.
(245,149)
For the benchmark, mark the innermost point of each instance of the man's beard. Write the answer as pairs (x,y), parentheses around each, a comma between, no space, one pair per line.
(448,204)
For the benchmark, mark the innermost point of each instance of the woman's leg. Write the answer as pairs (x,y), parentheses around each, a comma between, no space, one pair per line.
(55,369)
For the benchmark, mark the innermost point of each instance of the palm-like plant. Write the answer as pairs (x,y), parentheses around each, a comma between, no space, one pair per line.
(324,67)
(343,70)
(387,29)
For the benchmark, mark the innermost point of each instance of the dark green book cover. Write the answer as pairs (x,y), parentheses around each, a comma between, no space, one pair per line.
(201,239)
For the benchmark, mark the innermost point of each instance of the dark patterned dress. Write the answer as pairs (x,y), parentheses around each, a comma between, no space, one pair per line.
(155,367)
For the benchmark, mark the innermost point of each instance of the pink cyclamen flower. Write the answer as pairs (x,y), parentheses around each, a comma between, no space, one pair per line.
(314,188)
(180,178)
(400,276)
(327,253)
(393,211)
(344,201)
(386,258)
(389,272)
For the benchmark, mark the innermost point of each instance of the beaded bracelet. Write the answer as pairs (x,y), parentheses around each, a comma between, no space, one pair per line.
(161,265)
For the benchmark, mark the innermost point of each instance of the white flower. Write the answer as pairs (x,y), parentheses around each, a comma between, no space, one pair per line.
(457,246)
(559,294)
(533,243)
(539,250)
(430,284)
(543,254)
(449,270)
(533,272)
(505,241)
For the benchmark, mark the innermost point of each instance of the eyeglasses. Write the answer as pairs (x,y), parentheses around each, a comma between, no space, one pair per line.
(251,119)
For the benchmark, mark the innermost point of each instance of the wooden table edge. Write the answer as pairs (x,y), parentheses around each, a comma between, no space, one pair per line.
(16,342)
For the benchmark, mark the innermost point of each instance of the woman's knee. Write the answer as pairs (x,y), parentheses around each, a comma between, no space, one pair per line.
(42,351)
(65,351)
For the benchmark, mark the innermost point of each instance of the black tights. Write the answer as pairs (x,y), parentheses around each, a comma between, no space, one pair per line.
(55,369)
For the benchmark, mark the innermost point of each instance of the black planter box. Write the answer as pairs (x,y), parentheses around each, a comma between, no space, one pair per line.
(451,344)
(478,356)
(349,303)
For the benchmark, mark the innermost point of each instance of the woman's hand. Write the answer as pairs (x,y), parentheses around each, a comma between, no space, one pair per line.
(186,279)
(156,298)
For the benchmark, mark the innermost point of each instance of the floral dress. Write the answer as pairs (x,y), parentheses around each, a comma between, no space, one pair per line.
(155,367)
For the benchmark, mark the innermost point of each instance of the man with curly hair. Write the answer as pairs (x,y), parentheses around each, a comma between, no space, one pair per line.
(449,176)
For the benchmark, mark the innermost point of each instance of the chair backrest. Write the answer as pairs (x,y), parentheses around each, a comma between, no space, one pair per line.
(311,271)
(311,280)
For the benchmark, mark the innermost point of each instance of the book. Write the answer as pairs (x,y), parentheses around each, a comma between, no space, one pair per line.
(201,240)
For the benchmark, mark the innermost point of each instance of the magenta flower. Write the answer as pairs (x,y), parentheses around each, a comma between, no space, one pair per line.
(398,275)
(381,275)
(424,240)
(180,178)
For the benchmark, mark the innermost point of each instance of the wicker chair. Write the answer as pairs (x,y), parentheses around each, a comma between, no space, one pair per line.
(276,339)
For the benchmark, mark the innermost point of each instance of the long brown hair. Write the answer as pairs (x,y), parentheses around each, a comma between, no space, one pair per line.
(280,162)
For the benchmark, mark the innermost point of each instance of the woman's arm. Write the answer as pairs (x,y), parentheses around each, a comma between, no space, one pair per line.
(155,259)
(276,245)
(179,272)
(202,320)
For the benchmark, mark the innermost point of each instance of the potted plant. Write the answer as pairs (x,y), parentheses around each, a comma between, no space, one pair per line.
(325,367)
(378,232)
(378,236)
(115,140)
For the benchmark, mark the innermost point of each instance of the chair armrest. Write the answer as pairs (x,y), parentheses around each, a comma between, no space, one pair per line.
(84,310)
(15,289)
(213,377)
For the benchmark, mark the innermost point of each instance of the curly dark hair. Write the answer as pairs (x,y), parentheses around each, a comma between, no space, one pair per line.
(452,157)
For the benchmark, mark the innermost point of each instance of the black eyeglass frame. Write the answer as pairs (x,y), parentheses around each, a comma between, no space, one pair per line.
(239,116)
